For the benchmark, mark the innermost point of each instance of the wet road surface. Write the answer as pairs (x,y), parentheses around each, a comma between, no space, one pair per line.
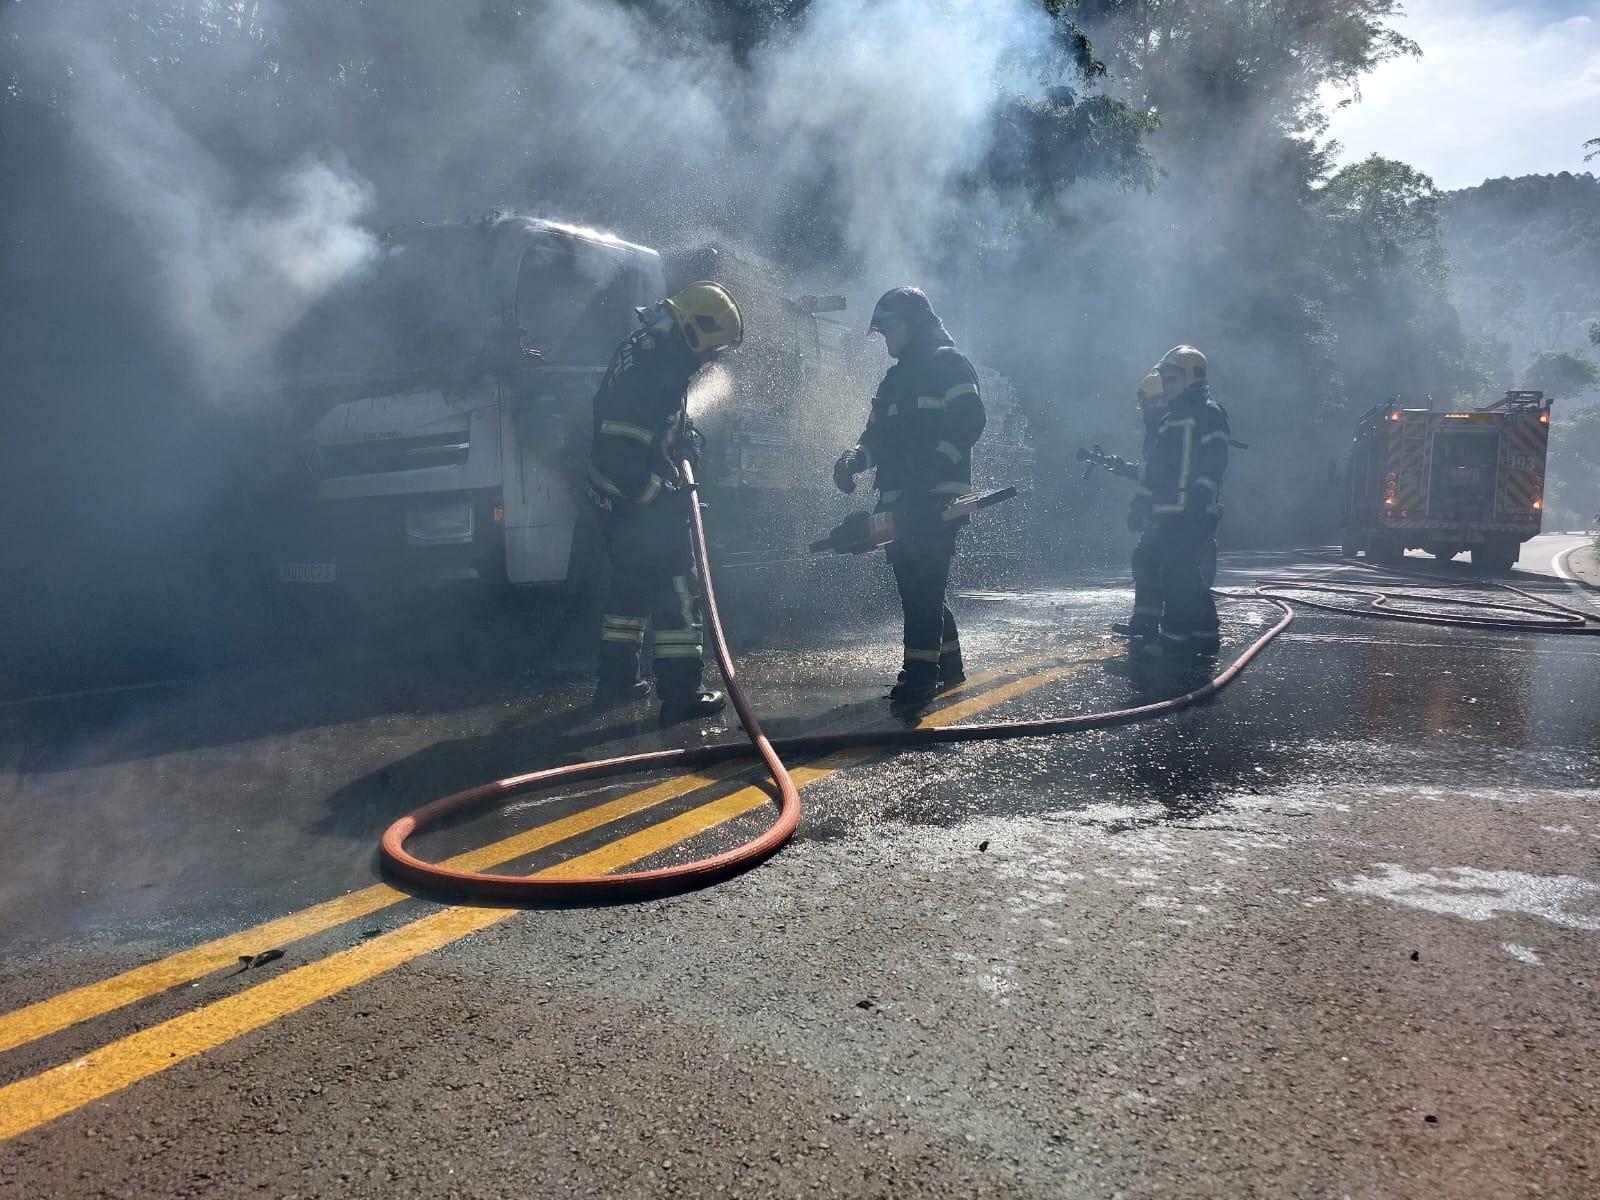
(1333,933)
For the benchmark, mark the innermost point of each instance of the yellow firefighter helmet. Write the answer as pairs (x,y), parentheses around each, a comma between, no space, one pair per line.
(1181,368)
(707,315)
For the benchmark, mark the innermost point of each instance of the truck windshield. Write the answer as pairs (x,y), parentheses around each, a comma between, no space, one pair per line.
(576,298)
(422,304)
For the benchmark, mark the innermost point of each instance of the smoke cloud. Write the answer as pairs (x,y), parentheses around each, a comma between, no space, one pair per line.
(198,175)
(861,125)
(234,273)
(898,108)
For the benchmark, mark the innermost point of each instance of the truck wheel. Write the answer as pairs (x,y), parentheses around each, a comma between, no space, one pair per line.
(1347,549)
(1496,558)
(1384,549)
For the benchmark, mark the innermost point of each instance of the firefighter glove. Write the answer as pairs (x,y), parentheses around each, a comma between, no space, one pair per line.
(691,442)
(850,463)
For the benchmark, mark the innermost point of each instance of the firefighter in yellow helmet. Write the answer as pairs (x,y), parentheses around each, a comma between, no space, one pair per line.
(1177,511)
(641,429)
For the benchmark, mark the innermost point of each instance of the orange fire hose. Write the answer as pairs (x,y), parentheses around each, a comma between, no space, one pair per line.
(635,885)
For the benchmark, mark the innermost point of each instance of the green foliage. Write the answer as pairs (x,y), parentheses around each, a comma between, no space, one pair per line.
(1561,375)
(1069,40)
(1380,209)
(1386,275)
(1046,146)
(1198,62)
(1043,145)
(1572,490)
(1527,257)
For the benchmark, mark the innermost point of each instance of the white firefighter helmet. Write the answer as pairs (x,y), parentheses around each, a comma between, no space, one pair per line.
(1181,368)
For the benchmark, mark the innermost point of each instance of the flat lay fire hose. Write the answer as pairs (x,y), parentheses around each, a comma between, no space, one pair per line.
(1392,604)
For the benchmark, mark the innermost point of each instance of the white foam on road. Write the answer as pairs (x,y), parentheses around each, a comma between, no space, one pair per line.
(1475,895)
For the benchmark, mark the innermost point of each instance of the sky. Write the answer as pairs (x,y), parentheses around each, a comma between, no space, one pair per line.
(1504,87)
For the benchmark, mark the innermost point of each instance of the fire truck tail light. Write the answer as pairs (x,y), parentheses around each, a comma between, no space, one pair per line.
(1394,416)
(1539,502)
(1544,417)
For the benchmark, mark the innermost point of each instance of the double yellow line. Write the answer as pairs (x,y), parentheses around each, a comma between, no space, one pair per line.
(33,1101)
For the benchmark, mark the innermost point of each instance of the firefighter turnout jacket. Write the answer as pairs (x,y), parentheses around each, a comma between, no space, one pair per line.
(641,424)
(925,419)
(1185,458)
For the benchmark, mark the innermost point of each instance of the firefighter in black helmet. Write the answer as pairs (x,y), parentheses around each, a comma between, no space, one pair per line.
(641,429)
(919,437)
(1178,509)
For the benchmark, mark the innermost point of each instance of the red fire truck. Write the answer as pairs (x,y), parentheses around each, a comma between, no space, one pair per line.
(1445,482)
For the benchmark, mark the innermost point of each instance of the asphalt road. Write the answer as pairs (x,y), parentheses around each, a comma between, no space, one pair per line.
(1333,934)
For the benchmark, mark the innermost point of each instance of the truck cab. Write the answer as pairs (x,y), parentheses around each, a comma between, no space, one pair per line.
(445,396)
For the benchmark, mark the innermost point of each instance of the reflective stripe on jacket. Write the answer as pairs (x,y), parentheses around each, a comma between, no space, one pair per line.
(637,414)
(924,421)
(1186,458)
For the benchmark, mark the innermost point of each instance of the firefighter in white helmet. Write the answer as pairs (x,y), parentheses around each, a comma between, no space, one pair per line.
(918,440)
(641,429)
(1177,510)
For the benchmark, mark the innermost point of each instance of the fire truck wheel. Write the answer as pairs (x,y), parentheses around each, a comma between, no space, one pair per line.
(1347,549)
(1497,558)
(1384,549)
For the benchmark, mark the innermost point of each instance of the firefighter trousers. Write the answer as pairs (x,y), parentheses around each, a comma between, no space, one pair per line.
(1174,566)
(921,574)
(652,584)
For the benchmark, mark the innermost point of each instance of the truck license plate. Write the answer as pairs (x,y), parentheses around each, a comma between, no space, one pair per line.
(307,572)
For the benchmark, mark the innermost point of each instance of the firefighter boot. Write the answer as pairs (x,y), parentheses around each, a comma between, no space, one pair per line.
(682,696)
(1146,645)
(919,682)
(694,706)
(619,681)
(951,671)
(1187,645)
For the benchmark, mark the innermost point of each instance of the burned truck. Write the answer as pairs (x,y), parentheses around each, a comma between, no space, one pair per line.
(442,406)
(441,401)
(1445,482)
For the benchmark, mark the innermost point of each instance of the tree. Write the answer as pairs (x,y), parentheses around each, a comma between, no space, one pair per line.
(1398,334)
(1381,208)
(1207,63)
(1593,154)
(1560,375)
(1572,472)
(1527,260)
